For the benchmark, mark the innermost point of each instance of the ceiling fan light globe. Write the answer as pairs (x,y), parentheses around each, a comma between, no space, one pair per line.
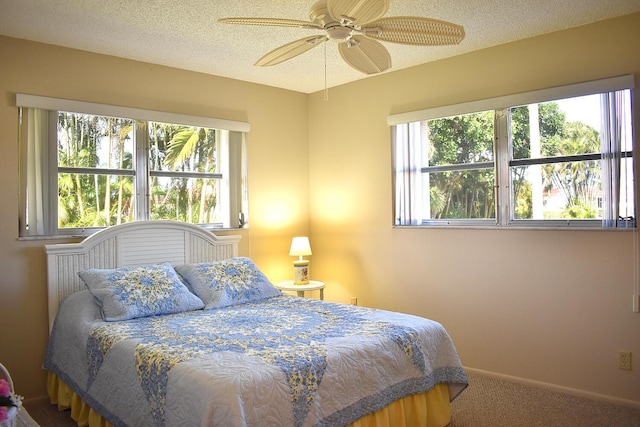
(338,33)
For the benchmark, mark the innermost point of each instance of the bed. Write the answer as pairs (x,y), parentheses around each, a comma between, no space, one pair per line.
(161,323)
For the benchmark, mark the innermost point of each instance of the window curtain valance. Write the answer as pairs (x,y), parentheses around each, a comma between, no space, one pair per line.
(578,89)
(59,104)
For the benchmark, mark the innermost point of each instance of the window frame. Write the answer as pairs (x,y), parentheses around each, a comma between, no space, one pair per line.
(235,214)
(502,154)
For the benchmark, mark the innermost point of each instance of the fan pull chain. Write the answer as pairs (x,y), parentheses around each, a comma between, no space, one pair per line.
(326,90)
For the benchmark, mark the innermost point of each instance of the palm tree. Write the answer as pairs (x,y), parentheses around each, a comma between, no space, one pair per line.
(187,149)
(80,194)
(579,180)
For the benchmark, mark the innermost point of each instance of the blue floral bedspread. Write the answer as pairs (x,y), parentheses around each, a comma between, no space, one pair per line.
(283,361)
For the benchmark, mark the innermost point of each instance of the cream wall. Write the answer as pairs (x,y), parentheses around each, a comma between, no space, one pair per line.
(278,196)
(547,306)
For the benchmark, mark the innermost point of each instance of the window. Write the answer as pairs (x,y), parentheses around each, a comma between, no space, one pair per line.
(559,158)
(82,171)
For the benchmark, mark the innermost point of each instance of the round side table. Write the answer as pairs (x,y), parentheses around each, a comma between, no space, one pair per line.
(313,285)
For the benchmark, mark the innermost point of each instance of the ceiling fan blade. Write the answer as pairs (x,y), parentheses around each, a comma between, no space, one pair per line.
(365,55)
(271,22)
(290,50)
(358,11)
(414,30)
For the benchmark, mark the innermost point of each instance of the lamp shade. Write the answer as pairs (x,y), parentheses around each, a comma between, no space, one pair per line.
(300,246)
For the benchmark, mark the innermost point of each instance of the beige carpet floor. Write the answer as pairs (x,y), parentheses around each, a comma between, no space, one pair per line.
(487,402)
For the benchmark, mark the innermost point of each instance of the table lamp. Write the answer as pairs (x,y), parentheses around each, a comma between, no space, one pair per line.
(299,247)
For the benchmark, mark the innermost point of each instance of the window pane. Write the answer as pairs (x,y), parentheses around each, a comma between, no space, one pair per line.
(192,200)
(594,180)
(558,128)
(182,148)
(571,190)
(94,200)
(460,139)
(87,141)
(460,194)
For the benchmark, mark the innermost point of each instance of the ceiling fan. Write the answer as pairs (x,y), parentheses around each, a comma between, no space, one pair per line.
(356,25)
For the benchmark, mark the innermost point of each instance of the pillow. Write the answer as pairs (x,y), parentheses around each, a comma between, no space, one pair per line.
(131,292)
(227,282)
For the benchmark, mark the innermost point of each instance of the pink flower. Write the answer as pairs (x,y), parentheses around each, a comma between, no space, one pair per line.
(5,388)
(8,401)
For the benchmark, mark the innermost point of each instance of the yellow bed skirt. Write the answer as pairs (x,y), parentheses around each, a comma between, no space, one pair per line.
(429,409)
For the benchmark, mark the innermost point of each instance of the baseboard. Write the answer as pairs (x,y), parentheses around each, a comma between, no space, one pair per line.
(36,400)
(557,388)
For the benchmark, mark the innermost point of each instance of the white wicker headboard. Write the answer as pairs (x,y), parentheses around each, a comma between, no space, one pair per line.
(135,243)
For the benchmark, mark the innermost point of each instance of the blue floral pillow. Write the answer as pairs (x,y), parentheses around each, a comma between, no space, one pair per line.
(131,292)
(228,282)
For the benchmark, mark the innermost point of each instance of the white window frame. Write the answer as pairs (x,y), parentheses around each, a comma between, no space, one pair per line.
(502,160)
(233,169)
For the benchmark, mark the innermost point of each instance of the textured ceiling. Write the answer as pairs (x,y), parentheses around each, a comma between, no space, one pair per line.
(185,34)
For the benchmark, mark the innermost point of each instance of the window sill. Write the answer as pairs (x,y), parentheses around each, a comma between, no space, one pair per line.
(511,227)
(81,236)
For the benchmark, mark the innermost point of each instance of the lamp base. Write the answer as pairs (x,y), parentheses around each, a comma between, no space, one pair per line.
(301,272)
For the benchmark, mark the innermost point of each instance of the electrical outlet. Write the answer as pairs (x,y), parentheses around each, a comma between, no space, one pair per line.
(354,300)
(624,360)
